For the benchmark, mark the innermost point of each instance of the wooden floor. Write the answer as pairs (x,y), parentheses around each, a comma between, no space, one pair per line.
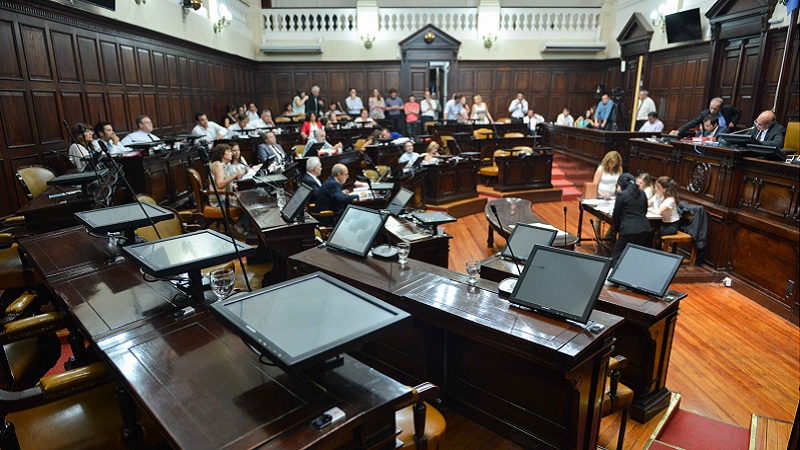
(731,358)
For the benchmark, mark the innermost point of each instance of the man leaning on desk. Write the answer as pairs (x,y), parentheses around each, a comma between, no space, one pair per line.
(728,117)
(331,197)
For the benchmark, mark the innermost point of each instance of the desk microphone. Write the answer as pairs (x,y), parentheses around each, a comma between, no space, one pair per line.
(742,131)
(506,286)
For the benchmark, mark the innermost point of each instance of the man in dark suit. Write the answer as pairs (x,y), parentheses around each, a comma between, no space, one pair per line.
(311,177)
(270,152)
(331,197)
(728,117)
(767,131)
(711,128)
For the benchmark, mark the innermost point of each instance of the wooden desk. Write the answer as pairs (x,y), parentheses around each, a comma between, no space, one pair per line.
(602,212)
(384,155)
(512,211)
(487,147)
(645,338)
(535,380)
(522,172)
(451,181)
(588,144)
(163,176)
(450,128)
(280,239)
(200,383)
(430,249)
(44,214)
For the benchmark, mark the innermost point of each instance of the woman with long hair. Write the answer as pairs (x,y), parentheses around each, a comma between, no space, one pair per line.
(585,121)
(311,125)
(430,154)
(630,216)
(607,173)
(237,160)
(299,102)
(221,157)
(645,183)
(80,151)
(377,105)
(480,112)
(230,116)
(665,204)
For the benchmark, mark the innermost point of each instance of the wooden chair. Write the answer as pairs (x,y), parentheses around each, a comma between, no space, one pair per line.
(298,150)
(422,426)
(513,134)
(617,397)
(482,133)
(29,349)
(446,143)
(382,169)
(359,143)
(372,175)
(426,125)
(34,179)
(282,119)
(212,214)
(523,149)
(504,120)
(73,409)
(670,244)
(490,172)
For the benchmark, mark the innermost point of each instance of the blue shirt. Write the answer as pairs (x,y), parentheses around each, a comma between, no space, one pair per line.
(394,102)
(603,110)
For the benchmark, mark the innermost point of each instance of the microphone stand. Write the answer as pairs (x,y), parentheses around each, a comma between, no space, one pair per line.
(507,285)
(565,226)
(203,153)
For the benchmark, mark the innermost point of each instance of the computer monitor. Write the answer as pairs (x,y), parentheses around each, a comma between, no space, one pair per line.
(561,283)
(739,140)
(399,201)
(645,270)
(306,321)
(768,152)
(296,205)
(524,237)
(313,150)
(397,171)
(123,217)
(82,179)
(356,230)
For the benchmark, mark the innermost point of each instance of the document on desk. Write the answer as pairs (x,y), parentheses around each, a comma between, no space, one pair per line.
(559,233)
(404,230)
(607,207)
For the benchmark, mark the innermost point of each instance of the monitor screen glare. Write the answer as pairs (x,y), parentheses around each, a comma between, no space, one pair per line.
(524,238)
(400,201)
(356,230)
(646,270)
(561,282)
(294,207)
(173,256)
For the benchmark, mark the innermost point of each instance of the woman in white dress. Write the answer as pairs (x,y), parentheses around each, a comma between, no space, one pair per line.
(480,113)
(299,102)
(606,175)
(78,153)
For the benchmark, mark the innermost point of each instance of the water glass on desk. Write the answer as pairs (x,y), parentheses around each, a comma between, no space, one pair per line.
(222,281)
(473,268)
(403,249)
(281,198)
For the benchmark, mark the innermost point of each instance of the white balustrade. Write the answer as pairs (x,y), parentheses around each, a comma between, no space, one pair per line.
(522,21)
(409,20)
(311,22)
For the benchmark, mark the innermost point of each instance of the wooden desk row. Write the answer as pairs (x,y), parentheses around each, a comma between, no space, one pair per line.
(200,383)
(535,380)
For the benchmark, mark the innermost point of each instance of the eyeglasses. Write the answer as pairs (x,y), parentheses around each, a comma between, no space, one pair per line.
(755,122)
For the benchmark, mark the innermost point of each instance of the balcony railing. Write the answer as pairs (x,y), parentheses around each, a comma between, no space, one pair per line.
(321,22)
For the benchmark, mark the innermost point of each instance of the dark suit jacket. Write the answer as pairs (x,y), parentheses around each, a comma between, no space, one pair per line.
(264,153)
(717,131)
(330,197)
(731,115)
(308,180)
(630,212)
(775,135)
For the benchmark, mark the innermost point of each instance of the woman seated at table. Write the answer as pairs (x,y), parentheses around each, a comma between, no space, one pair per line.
(645,183)
(585,121)
(364,120)
(430,154)
(79,153)
(224,176)
(310,125)
(665,204)
(630,216)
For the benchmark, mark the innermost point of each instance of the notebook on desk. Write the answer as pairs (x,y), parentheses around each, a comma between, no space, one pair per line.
(648,272)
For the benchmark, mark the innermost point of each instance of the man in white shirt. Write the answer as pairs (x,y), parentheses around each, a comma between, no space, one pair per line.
(143,134)
(653,125)
(252,112)
(408,156)
(565,119)
(354,104)
(265,121)
(518,108)
(210,130)
(645,107)
(319,136)
(428,108)
(452,108)
(240,128)
(532,120)
(105,132)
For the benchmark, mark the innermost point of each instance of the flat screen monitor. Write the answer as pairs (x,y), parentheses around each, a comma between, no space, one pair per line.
(397,171)
(75,179)
(303,322)
(356,230)
(645,270)
(767,152)
(296,205)
(185,253)
(561,283)
(524,237)
(399,201)
(124,217)
(740,140)
(683,26)
(313,150)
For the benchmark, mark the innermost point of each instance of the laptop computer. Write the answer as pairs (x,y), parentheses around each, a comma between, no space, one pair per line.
(561,283)
(524,237)
(647,271)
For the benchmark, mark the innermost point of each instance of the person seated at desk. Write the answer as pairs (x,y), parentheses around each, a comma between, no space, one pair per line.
(79,152)
(311,177)
(430,154)
(237,160)
(665,204)
(331,197)
(333,115)
(105,132)
(728,117)
(645,183)
(240,128)
(532,120)
(143,134)
(408,156)
(364,120)
(252,112)
(211,131)
(381,135)
(767,131)
(230,117)
(288,110)
(630,217)
(565,118)
(586,120)
(270,152)
(711,128)
(222,172)
(652,125)
(354,104)
(265,121)
(310,125)
(327,148)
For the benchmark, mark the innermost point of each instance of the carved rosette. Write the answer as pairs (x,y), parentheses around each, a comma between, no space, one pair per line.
(699,177)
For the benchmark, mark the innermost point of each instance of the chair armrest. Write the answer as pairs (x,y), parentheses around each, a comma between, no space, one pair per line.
(18,306)
(14,221)
(32,326)
(6,238)
(82,378)
(614,365)
(617,362)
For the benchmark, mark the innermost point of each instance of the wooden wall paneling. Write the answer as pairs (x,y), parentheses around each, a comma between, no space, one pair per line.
(466,83)
(36,53)
(89,60)
(16,118)
(186,118)
(135,105)
(130,71)
(391,79)
(374,81)
(116,111)
(747,98)
(185,80)
(160,69)
(45,104)
(173,79)
(202,75)
(10,64)
(110,58)
(96,105)
(357,79)
(164,108)
(64,53)
(522,79)
(150,109)
(194,76)
(73,110)
(9,193)
(484,80)
(145,65)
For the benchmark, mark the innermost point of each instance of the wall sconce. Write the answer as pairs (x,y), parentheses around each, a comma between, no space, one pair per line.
(188,5)
(368,40)
(488,40)
(665,8)
(225,18)
(141,2)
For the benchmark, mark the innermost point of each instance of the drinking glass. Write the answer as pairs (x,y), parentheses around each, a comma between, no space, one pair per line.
(222,281)
(403,249)
(473,267)
(280,196)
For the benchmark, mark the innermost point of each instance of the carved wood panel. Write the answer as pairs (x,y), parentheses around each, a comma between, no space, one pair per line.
(9,64)
(64,53)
